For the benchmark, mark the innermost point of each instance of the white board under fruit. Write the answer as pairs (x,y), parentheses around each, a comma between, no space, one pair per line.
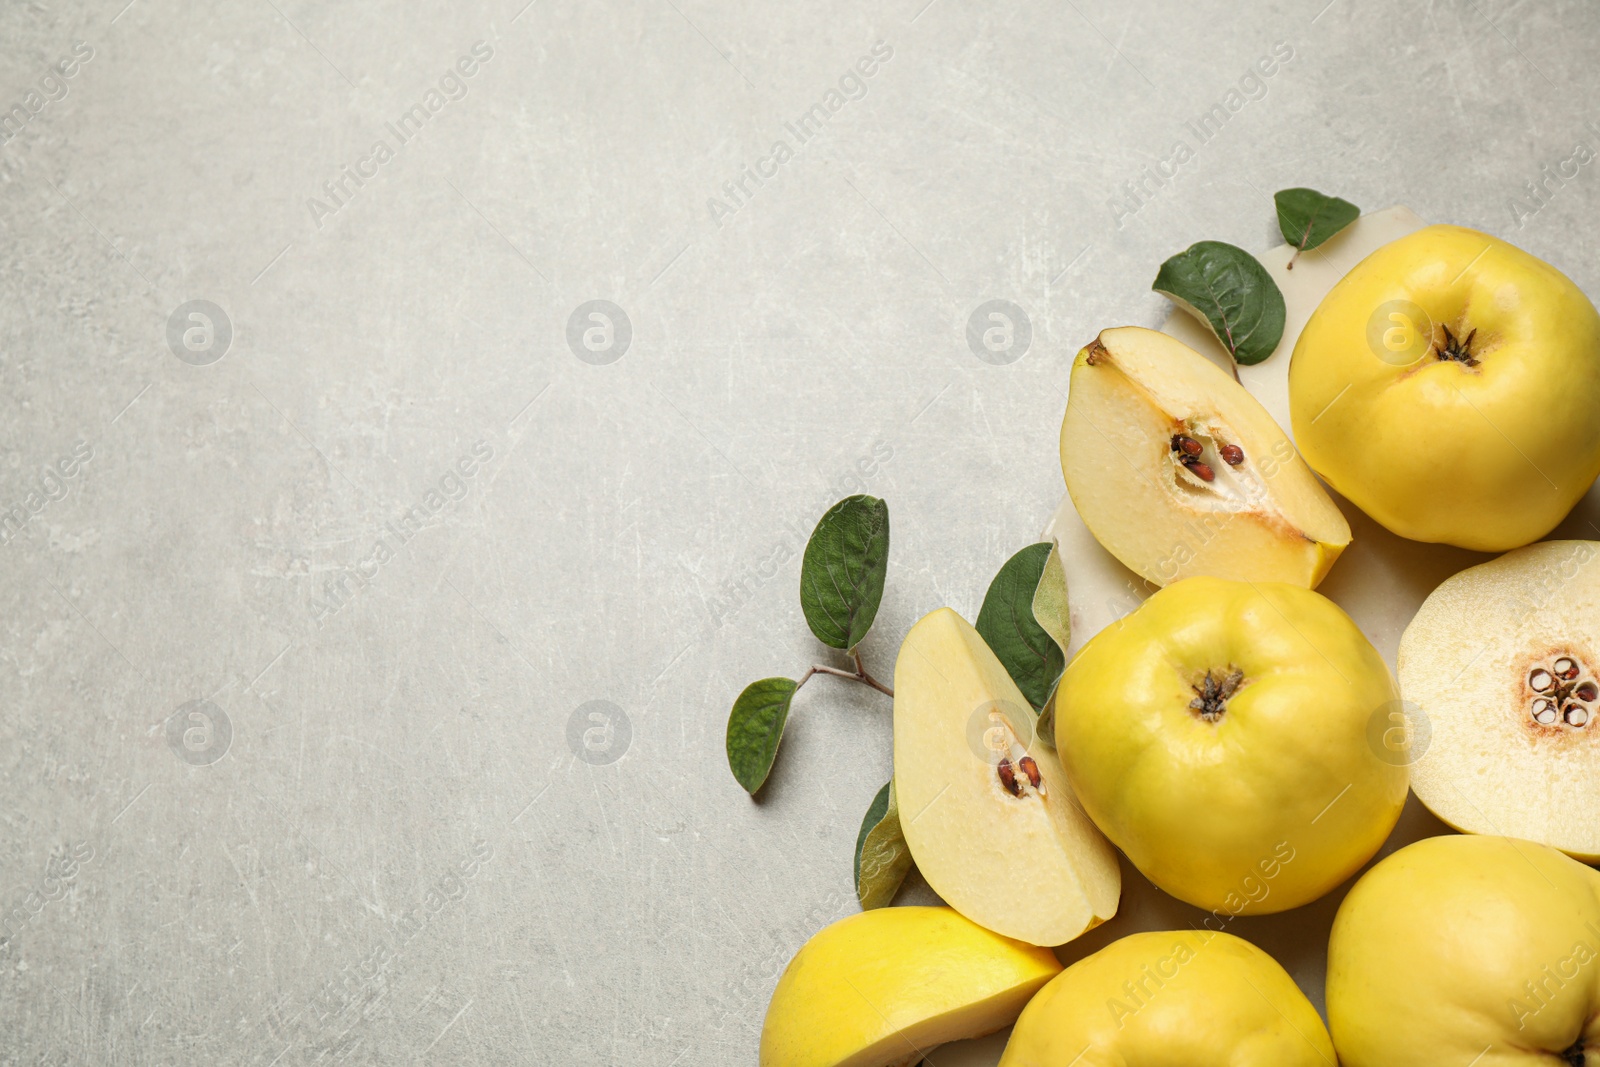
(1380,580)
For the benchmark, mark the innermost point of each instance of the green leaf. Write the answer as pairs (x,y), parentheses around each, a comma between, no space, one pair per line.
(1231,292)
(882,856)
(1050,607)
(755,726)
(1308,218)
(841,576)
(1045,728)
(1031,656)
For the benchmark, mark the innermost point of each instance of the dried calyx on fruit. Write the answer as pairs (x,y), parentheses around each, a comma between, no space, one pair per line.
(1212,693)
(1449,346)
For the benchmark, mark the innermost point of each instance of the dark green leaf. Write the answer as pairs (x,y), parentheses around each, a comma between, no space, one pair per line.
(1308,218)
(1007,623)
(841,576)
(755,727)
(1228,290)
(882,855)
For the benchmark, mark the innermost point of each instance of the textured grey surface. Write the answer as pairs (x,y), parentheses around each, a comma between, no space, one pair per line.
(398,854)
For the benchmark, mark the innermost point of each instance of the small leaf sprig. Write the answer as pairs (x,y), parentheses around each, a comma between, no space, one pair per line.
(1232,294)
(1307,218)
(841,585)
(842,573)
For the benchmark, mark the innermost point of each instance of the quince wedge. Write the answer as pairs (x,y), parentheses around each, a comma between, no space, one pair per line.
(1178,471)
(988,812)
(883,987)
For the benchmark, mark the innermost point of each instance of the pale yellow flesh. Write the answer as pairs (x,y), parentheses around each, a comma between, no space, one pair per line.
(1191,998)
(1488,767)
(1265,520)
(1487,457)
(1269,806)
(885,986)
(1467,950)
(1031,867)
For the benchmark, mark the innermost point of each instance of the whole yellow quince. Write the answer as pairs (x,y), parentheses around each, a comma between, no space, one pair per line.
(1449,386)
(883,987)
(1226,736)
(1185,998)
(1468,950)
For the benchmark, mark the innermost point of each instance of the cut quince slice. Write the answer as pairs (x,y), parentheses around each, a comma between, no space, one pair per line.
(1178,471)
(1500,671)
(986,808)
(885,986)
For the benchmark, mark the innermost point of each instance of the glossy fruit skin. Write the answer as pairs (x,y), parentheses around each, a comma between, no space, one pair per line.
(875,987)
(1487,457)
(1190,998)
(1275,802)
(1462,949)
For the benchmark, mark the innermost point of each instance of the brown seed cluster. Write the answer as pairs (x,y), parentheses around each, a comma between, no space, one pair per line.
(1007,771)
(1190,453)
(1562,693)
(1188,450)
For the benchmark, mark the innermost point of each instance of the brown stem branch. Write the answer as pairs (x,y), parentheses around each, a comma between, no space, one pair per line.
(862,675)
(858,675)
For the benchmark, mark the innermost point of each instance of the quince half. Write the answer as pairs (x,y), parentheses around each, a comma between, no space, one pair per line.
(1500,669)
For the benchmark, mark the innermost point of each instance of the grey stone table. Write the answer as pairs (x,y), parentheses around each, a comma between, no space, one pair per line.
(410,418)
